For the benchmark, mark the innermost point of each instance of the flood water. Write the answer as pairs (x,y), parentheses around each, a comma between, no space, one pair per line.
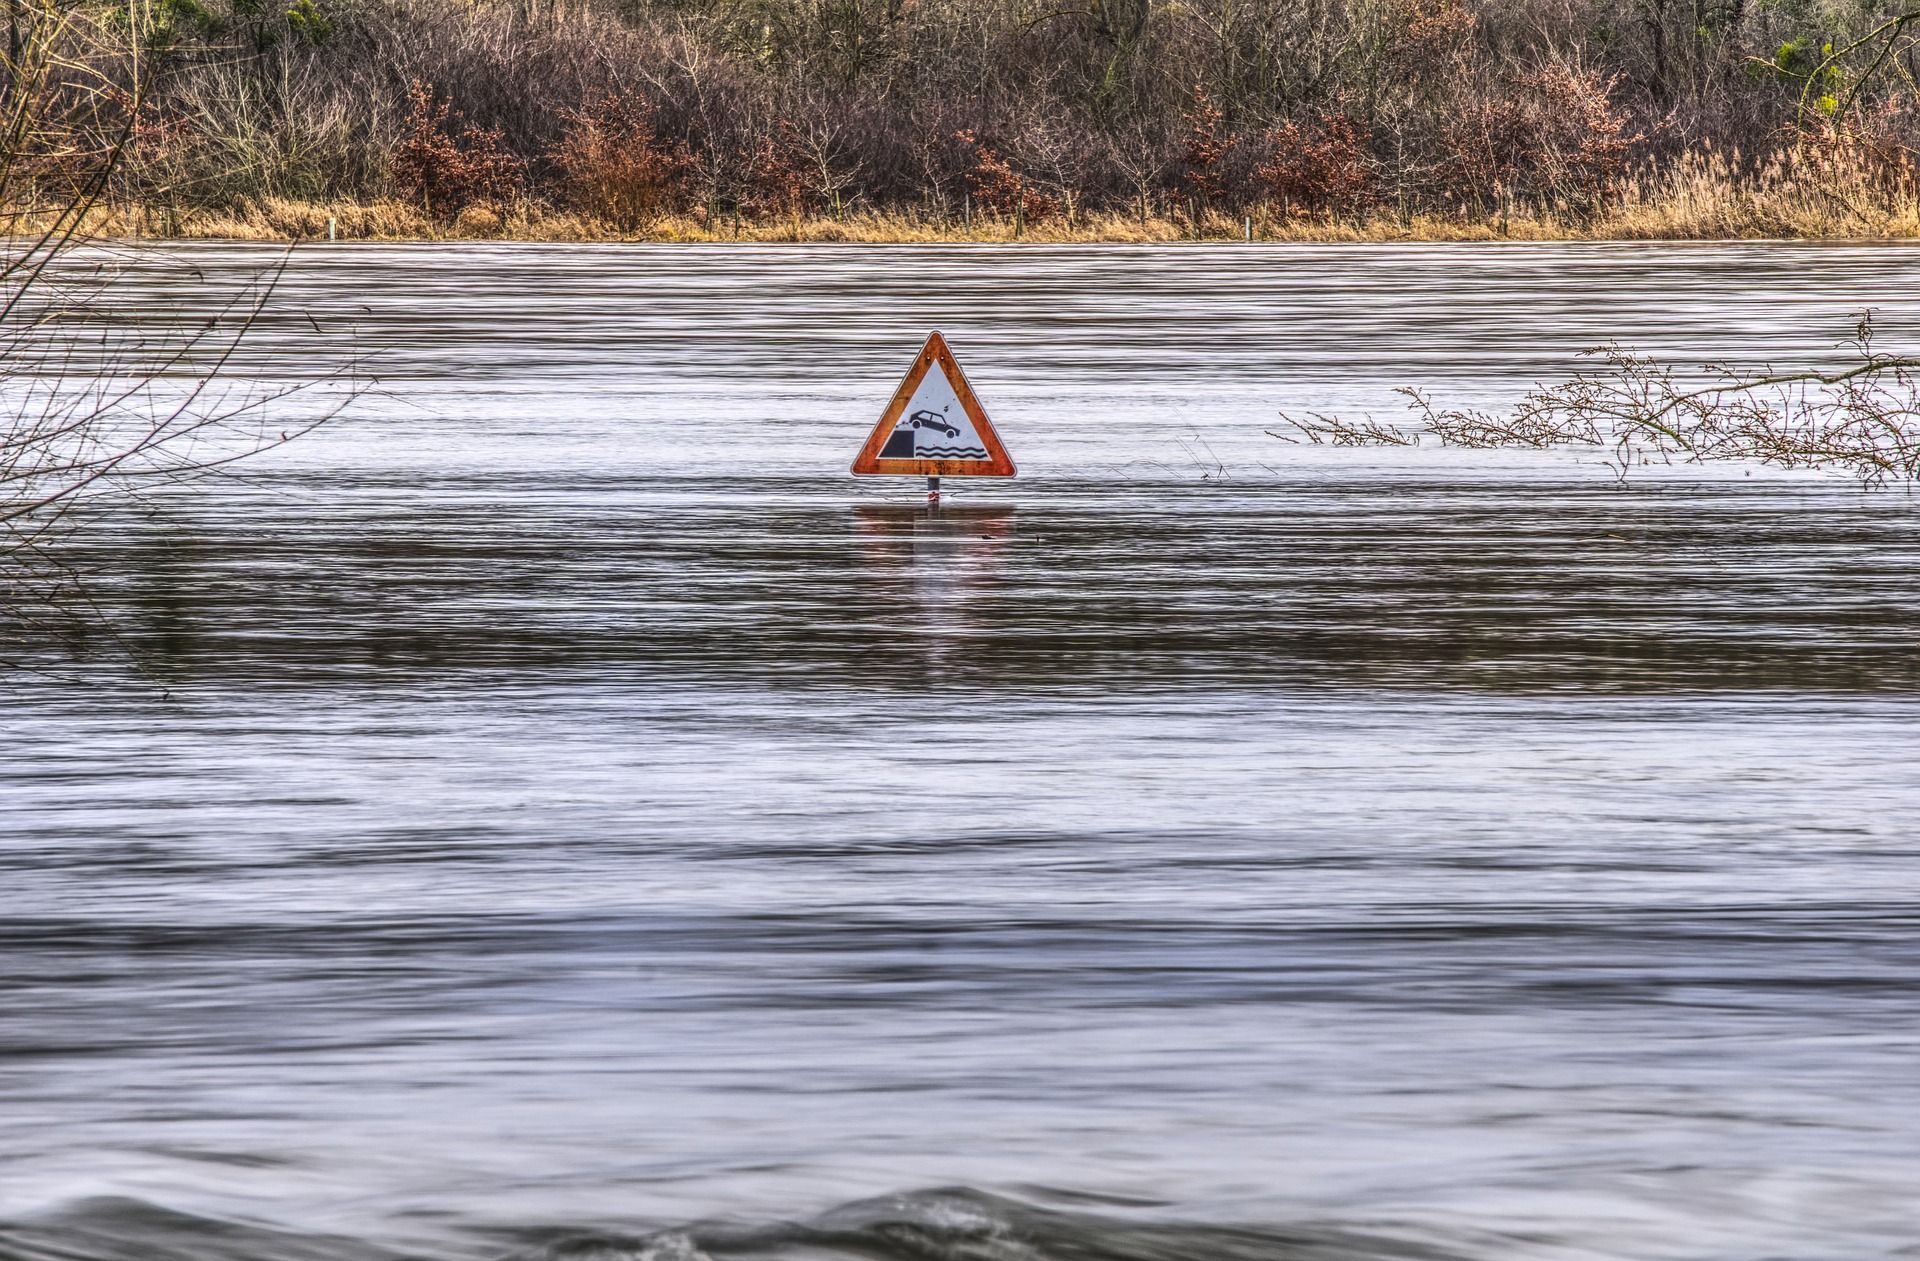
(555,812)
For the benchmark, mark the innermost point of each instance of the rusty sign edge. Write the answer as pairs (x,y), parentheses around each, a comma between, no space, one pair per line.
(935,351)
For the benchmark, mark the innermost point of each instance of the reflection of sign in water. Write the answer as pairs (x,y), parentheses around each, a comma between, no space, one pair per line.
(935,425)
(940,562)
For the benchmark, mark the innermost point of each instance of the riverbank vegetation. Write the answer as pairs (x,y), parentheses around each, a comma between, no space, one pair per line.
(912,120)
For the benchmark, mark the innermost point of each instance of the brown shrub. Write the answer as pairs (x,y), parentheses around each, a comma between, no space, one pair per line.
(1430,35)
(996,186)
(445,174)
(776,182)
(1204,150)
(1581,142)
(614,165)
(1552,136)
(1327,165)
(1461,111)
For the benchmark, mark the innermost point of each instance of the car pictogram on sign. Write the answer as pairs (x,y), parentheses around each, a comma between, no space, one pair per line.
(933,420)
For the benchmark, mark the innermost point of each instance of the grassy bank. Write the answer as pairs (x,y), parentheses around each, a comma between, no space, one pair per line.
(1699,198)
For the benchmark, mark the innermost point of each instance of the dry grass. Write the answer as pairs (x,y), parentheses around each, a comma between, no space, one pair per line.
(1703,196)
(1706,195)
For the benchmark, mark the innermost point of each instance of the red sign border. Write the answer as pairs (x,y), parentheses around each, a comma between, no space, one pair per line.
(936,351)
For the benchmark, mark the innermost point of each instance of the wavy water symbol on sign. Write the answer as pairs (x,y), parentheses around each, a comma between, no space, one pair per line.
(947,434)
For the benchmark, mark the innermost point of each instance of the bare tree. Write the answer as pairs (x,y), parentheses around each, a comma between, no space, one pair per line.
(102,393)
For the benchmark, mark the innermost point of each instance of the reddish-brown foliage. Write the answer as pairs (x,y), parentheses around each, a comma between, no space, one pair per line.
(1327,165)
(1581,142)
(997,187)
(1434,33)
(444,173)
(1472,104)
(1552,136)
(1204,151)
(615,167)
(776,182)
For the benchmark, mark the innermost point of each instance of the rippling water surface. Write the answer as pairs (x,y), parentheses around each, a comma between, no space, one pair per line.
(554,811)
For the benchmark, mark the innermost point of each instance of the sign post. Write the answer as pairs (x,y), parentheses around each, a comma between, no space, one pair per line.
(934,427)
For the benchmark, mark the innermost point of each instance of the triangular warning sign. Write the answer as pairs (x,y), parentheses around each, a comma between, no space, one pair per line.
(934,427)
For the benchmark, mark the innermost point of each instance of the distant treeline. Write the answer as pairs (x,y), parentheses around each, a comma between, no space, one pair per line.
(627,110)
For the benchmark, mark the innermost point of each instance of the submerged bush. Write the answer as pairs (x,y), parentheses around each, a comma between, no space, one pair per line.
(1863,419)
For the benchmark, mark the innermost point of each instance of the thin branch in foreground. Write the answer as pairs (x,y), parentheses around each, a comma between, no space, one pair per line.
(157,404)
(1322,430)
(1863,420)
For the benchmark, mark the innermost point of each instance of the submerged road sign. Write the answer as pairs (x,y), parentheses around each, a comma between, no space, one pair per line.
(934,426)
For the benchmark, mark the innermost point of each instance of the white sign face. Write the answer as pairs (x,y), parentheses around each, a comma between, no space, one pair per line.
(934,425)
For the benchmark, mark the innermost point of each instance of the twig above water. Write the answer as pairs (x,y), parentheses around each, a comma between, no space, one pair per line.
(1863,419)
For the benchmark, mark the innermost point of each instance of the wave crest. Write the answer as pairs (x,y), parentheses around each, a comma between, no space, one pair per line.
(946,1224)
